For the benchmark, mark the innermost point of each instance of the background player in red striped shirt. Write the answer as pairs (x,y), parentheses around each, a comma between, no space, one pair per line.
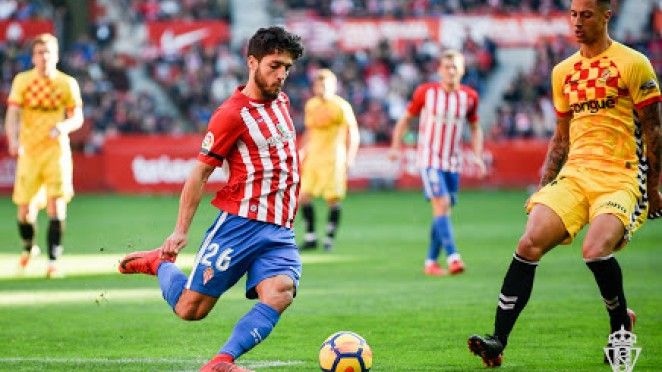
(252,131)
(444,107)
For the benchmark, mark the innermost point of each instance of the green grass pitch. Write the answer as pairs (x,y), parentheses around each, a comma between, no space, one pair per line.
(98,320)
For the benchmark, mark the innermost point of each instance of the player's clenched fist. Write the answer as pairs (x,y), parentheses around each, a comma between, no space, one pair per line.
(173,244)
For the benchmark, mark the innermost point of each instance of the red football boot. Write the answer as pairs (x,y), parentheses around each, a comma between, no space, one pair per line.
(145,262)
(222,363)
(433,269)
(456,267)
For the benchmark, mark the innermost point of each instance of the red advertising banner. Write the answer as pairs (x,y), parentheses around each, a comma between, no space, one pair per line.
(23,30)
(148,164)
(520,30)
(173,36)
(161,164)
(658,21)
(322,36)
(510,164)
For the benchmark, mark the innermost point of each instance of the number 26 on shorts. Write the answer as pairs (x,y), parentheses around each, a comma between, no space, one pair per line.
(222,261)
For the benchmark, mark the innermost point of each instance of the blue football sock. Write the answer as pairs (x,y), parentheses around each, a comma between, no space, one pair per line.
(171,281)
(250,330)
(444,230)
(433,251)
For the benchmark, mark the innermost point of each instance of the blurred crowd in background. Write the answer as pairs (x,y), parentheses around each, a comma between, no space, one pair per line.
(378,82)
(418,8)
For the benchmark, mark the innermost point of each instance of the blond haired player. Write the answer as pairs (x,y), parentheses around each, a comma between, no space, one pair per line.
(602,169)
(329,146)
(444,107)
(43,107)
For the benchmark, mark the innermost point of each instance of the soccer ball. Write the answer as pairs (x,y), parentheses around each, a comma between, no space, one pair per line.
(345,351)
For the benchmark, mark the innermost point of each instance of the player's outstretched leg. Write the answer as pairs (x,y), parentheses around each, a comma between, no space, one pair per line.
(515,292)
(489,348)
(144,262)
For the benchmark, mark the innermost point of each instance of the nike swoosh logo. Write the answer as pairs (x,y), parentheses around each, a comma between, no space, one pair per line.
(170,41)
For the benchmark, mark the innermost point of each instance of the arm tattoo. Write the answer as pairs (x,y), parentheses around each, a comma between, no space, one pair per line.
(557,152)
(650,118)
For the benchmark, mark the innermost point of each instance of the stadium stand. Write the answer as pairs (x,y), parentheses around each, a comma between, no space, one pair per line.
(377,81)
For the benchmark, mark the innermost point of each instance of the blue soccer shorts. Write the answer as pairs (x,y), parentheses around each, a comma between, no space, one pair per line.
(234,246)
(439,183)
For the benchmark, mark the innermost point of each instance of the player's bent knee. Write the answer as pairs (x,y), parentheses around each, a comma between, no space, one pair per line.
(596,251)
(279,300)
(528,249)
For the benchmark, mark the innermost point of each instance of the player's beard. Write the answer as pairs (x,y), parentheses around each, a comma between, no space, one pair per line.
(263,86)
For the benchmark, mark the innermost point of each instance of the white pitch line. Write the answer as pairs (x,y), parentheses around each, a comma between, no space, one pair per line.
(247,363)
(102,296)
(94,264)
(98,360)
(270,363)
(98,296)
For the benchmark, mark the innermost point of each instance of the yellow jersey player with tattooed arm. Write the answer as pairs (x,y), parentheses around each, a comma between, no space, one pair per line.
(43,107)
(602,169)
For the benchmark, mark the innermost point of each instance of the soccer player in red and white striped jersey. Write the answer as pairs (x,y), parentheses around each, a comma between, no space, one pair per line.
(444,107)
(253,132)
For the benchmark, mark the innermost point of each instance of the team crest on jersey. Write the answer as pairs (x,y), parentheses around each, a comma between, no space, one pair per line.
(208,141)
(207,275)
(605,75)
(285,135)
(282,129)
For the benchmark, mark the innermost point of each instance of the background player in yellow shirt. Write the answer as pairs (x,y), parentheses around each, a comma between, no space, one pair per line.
(43,107)
(328,149)
(602,169)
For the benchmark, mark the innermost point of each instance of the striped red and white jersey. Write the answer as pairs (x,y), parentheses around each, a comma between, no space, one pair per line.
(442,116)
(257,139)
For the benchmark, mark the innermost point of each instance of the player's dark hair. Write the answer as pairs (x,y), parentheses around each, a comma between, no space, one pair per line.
(274,39)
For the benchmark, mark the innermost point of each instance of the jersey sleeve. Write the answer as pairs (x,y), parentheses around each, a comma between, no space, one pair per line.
(417,101)
(561,104)
(642,82)
(74,98)
(16,92)
(223,131)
